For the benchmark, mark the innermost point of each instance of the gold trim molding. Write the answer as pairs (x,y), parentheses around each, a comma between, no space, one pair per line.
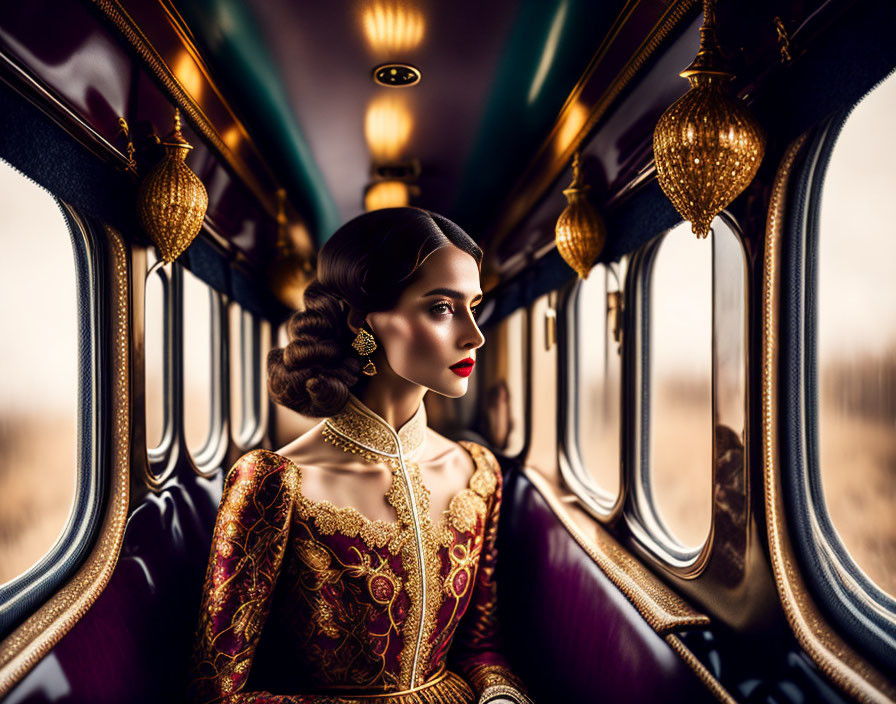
(32,640)
(661,607)
(115,13)
(552,157)
(839,662)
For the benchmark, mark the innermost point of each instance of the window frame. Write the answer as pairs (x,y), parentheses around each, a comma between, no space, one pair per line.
(642,516)
(20,596)
(865,612)
(161,460)
(254,413)
(598,501)
(211,453)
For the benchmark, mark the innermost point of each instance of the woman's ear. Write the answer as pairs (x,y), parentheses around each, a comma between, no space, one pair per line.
(355,319)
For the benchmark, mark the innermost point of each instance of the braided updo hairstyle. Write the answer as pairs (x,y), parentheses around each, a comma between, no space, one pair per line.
(367,264)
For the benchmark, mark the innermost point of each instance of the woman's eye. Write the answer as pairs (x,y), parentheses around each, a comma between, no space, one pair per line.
(441,308)
(475,311)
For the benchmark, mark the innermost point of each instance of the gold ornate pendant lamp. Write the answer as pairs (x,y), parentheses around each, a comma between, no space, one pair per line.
(707,145)
(580,232)
(171,201)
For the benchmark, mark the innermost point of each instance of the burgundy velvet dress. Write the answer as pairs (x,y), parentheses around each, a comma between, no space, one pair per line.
(307,602)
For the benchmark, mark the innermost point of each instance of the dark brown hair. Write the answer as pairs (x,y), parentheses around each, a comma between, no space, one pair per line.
(367,263)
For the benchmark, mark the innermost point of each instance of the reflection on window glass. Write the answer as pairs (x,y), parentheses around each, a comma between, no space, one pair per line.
(39,383)
(154,350)
(680,384)
(197,361)
(857,337)
(597,383)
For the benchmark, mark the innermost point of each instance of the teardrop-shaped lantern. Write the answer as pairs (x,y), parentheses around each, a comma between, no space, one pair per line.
(580,232)
(172,201)
(707,145)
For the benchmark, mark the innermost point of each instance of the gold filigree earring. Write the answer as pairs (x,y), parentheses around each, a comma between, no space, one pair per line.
(364,344)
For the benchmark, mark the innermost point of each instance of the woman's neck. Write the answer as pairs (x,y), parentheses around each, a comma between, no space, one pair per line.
(394,404)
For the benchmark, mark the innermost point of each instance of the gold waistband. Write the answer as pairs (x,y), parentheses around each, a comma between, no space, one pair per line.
(445,687)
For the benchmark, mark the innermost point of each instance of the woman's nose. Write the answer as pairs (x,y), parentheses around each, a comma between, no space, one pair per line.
(473,336)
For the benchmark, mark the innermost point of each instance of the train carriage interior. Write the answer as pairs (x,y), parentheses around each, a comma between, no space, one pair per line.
(689,375)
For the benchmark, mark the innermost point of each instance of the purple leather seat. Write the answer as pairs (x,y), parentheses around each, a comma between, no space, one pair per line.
(570,633)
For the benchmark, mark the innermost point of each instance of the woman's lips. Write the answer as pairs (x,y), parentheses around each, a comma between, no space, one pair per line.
(464,367)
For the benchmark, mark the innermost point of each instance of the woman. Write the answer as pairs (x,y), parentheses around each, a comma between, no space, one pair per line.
(314,591)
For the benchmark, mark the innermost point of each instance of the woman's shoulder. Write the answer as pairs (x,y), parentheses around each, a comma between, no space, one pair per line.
(258,464)
(476,455)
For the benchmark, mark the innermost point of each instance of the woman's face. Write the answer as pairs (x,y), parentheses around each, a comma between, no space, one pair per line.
(432,327)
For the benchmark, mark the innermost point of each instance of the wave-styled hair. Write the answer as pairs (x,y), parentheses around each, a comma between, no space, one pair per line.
(367,263)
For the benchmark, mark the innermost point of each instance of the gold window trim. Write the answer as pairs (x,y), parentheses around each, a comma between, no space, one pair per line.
(839,662)
(41,631)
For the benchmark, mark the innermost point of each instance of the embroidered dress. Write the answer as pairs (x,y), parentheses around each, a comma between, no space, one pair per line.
(306,602)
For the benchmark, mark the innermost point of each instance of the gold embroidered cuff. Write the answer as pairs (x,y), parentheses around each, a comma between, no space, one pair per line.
(502,690)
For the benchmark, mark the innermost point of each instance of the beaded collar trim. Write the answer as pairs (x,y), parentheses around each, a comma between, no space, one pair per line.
(368,434)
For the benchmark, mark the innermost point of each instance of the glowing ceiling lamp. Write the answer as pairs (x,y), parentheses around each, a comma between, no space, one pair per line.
(387,127)
(392,26)
(386,194)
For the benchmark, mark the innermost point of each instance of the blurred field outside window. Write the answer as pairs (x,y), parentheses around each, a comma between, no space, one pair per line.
(597,386)
(198,352)
(39,383)
(679,380)
(154,355)
(856,337)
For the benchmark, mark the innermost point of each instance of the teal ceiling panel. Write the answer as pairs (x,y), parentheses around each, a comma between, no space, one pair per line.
(227,34)
(548,50)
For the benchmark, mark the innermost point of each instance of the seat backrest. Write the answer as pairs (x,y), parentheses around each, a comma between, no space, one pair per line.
(575,637)
(134,643)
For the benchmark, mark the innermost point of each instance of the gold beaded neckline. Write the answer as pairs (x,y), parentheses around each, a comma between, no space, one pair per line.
(362,431)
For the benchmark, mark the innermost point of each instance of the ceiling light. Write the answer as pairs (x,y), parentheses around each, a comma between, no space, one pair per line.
(387,127)
(386,194)
(392,26)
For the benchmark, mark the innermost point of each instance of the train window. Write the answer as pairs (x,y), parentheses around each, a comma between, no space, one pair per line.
(542,362)
(690,321)
(677,379)
(503,404)
(39,385)
(856,337)
(155,370)
(249,345)
(199,354)
(594,367)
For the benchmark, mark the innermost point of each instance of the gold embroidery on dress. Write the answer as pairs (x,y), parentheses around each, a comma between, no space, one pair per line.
(358,430)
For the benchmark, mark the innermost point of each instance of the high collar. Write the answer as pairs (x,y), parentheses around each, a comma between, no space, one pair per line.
(367,429)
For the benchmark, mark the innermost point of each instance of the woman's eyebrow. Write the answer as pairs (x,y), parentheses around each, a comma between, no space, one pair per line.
(450,292)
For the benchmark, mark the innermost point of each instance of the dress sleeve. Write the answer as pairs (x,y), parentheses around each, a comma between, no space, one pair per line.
(477,648)
(247,550)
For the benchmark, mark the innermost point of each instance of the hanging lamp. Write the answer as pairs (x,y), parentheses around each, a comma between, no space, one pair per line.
(580,232)
(707,145)
(171,200)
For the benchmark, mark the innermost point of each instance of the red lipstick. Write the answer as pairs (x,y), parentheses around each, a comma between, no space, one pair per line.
(463,367)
